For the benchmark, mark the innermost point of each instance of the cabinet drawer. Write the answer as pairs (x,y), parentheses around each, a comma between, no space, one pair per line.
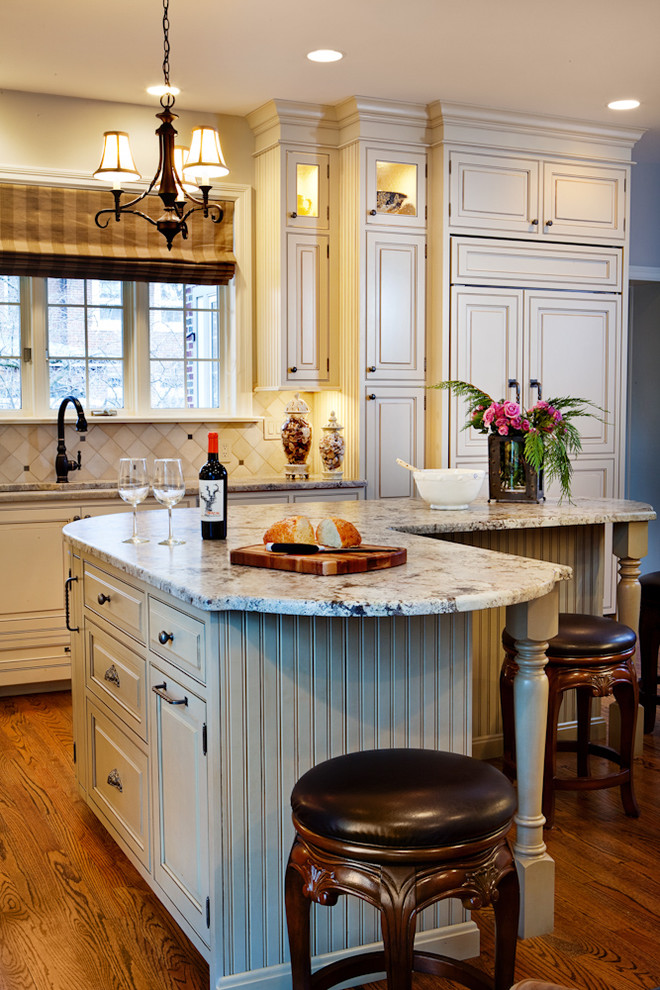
(178,637)
(118,784)
(115,600)
(116,675)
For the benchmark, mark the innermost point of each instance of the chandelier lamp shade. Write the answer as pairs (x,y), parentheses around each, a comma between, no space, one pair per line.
(182,176)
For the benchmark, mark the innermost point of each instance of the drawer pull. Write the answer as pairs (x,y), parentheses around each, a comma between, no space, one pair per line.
(165,637)
(102,598)
(67,613)
(161,691)
(115,780)
(112,675)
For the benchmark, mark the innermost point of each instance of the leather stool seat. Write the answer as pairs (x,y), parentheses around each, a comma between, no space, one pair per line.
(594,656)
(402,829)
(649,643)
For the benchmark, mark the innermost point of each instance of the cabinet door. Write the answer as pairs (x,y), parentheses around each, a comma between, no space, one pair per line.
(573,348)
(486,350)
(494,192)
(307,190)
(395,428)
(180,797)
(308,354)
(395,306)
(583,200)
(396,188)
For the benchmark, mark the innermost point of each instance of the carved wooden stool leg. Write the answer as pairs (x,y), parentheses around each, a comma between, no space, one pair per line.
(506,906)
(625,693)
(397,917)
(583,698)
(297,916)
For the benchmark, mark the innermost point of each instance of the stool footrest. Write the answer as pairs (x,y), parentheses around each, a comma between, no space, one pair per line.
(591,783)
(423,962)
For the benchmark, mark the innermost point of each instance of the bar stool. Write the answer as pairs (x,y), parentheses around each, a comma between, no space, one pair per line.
(649,643)
(595,656)
(401,829)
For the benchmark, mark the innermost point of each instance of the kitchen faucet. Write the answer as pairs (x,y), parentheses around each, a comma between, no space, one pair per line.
(62,463)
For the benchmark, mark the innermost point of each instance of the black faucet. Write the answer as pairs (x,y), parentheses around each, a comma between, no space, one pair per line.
(62,463)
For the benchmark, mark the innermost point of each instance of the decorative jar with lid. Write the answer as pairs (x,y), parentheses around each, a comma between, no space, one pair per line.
(296,438)
(331,448)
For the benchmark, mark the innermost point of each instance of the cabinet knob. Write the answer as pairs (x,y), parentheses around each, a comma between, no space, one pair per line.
(372,395)
(372,367)
(75,518)
(373,213)
(165,637)
(293,370)
(548,223)
(103,598)
(111,675)
(534,223)
(293,215)
(115,780)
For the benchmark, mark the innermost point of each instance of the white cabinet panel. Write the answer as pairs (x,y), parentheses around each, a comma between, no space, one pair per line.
(395,428)
(395,187)
(584,199)
(395,306)
(494,192)
(308,313)
(179,766)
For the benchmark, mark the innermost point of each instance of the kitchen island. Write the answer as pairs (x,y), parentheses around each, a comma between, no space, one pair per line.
(254,675)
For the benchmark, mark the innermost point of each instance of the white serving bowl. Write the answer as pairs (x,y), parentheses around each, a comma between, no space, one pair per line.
(449,488)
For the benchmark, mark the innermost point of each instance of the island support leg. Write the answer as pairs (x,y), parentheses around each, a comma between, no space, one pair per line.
(630,543)
(532,624)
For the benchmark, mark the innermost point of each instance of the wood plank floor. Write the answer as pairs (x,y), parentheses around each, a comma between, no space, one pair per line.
(75,915)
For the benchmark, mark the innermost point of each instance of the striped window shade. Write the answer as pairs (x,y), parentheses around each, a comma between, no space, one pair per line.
(50,231)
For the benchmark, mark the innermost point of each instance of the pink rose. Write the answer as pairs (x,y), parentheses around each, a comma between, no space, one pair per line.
(525,426)
(489,415)
(503,430)
(516,422)
(511,409)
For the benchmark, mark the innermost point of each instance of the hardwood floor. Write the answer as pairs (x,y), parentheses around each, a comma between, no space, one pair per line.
(75,915)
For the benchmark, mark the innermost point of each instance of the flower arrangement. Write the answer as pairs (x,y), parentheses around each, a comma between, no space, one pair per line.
(547,427)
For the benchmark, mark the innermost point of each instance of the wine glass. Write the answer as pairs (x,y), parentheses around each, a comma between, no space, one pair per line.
(133,487)
(169,488)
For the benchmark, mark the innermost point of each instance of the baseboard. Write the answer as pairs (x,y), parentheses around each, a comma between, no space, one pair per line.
(458,941)
(490,747)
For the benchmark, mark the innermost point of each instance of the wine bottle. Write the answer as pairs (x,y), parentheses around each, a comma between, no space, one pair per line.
(213,494)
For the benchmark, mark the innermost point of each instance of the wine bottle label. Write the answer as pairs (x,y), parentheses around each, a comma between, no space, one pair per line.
(212,500)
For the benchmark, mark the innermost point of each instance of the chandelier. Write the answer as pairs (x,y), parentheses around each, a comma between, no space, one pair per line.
(197,165)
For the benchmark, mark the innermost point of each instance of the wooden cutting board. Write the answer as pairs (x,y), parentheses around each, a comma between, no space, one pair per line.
(366,558)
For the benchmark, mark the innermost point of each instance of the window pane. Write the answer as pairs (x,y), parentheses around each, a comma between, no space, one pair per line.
(167,391)
(10,385)
(10,330)
(66,331)
(67,378)
(102,292)
(67,291)
(202,384)
(104,332)
(9,289)
(166,334)
(106,384)
(202,334)
(165,294)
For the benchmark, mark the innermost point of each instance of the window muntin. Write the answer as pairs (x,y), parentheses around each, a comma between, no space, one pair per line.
(10,342)
(85,341)
(184,346)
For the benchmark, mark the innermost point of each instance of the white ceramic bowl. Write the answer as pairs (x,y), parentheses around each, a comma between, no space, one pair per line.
(449,488)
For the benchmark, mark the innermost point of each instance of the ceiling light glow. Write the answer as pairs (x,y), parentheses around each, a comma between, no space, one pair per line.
(623,104)
(325,55)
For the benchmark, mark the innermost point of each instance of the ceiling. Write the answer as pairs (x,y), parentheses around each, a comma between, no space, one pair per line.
(566,57)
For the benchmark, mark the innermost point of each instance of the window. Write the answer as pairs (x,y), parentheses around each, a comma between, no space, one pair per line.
(131,347)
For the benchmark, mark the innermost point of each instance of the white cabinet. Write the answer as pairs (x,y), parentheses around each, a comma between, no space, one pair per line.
(396,187)
(395,306)
(180,789)
(308,310)
(394,428)
(558,342)
(535,197)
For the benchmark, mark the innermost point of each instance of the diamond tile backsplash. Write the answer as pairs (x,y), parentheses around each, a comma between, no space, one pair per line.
(34,446)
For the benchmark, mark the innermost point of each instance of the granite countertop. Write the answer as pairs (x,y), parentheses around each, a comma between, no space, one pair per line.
(104,489)
(439,576)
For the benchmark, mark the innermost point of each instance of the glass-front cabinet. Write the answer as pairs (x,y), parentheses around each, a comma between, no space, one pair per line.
(307,181)
(396,188)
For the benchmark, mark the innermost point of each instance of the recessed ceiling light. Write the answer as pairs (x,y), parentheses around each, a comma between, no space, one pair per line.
(325,55)
(163,90)
(623,104)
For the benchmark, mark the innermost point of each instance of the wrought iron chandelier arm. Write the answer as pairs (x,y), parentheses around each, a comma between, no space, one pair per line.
(122,209)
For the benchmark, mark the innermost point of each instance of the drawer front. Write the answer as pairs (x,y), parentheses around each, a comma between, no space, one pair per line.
(117,675)
(115,601)
(118,784)
(178,637)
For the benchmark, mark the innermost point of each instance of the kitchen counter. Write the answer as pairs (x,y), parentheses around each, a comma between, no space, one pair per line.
(303,667)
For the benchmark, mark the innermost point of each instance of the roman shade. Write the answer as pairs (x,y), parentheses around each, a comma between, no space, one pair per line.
(50,231)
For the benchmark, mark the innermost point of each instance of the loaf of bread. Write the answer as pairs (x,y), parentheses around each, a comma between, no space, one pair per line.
(332,532)
(293,529)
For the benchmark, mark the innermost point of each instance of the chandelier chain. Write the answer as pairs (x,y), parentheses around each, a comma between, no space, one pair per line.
(166,42)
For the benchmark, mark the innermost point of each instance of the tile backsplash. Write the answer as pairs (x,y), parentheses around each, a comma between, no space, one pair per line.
(27,452)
